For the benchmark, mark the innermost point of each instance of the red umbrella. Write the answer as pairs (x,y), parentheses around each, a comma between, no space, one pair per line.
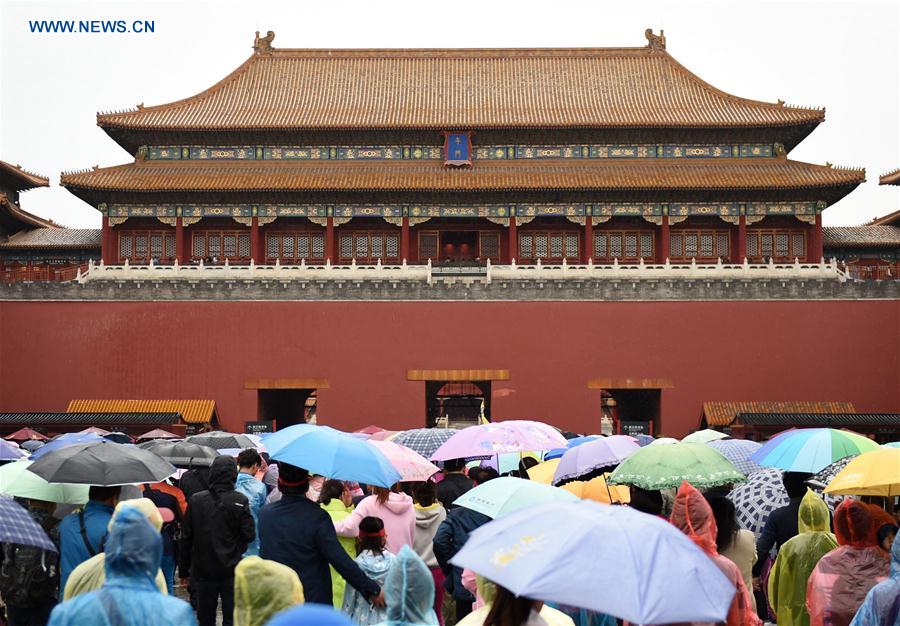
(158,433)
(24,434)
(370,430)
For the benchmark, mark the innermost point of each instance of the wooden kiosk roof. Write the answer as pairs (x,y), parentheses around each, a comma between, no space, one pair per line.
(471,89)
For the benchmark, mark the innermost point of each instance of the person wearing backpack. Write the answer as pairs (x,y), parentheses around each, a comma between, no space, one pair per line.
(81,533)
(29,576)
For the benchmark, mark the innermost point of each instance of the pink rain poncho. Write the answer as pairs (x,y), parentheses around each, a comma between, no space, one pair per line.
(692,514)
(843,577)
(882,605)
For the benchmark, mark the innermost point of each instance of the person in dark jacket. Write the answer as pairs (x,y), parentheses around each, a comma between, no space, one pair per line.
(194,481)
(455,483)
(217,527)
(782,523)
(297,532)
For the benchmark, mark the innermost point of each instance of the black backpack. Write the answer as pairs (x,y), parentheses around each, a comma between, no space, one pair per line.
(29,575)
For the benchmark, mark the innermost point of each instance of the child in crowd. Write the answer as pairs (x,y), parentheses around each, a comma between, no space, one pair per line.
(375,561)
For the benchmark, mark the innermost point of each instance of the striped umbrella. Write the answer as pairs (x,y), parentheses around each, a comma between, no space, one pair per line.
(811,449)
(425,441)
(738,451)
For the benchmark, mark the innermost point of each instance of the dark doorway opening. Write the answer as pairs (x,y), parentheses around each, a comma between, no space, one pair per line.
(634,406)
(285,407)
(459,245)
(459,403)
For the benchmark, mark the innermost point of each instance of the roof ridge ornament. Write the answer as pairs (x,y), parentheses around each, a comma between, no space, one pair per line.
(263,45)
(655,42)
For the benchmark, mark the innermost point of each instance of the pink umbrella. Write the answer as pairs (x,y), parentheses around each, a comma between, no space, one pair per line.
(486,440)
(593,455)
(411,465)
(385,435)
(95,430)
(158,433)
(27,434)
(370,430)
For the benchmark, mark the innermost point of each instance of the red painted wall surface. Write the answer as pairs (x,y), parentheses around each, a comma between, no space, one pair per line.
(52,352)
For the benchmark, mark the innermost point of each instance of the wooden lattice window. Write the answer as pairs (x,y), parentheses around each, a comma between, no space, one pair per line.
(622,245)
(295,246)
(702,245)
(428,246)
(551,246)
(140,247)
(489,246)
(776,244)
(216,246)
(369,247)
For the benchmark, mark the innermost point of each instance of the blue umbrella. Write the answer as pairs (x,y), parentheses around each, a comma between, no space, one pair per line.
(10,451)
(17,526)
(333,454)
(644,440)
(64,441)
(277,440)
(738,451)
(32,444)
(556,453)
(608,559)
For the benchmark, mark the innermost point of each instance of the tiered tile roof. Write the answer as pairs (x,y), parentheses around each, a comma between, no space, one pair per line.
(18,179)
(44,238)
(723,413)
(861,236)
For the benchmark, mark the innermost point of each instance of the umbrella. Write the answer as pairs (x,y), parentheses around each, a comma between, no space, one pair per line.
(663,441)
(333,454)
(118,437)
(181,453)
(370,430)
(820,480)
(556,453)
(875,473)
(501,496)
(644,440)
(893,444)
(596,489)
(25,434)
(649,572)
(811,449)
(543,472)
(755,499)
(158,433)
(661,466)
(10,451)
(738,451)
(15,481)
(217,439)
(64,441)
(32,444)
(277,440)
(486,440)
(102,463)
(95,430)
(385,435)
(704,436)
(413,467)
(17,526)
(425,441)
(593,455)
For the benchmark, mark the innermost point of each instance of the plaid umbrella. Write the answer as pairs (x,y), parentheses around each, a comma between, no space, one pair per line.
(17,526)
(738,451)
(425,441)
(756,498)
(821,479)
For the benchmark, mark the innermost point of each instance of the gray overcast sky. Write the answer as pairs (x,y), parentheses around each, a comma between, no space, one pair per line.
(840,55)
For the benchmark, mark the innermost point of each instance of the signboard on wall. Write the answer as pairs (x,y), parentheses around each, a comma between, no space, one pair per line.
(261,426)
(636,428)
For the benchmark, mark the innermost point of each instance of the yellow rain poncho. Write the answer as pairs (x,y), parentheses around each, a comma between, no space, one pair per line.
(263,588)
(796,560)
(90,575)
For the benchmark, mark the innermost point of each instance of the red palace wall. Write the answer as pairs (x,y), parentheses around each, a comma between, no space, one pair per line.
(52,352)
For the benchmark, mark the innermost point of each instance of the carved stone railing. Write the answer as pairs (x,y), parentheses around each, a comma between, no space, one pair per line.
(487,274)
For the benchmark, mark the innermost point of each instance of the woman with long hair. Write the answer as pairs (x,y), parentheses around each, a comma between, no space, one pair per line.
(504,608)
(391,506)
(335,499)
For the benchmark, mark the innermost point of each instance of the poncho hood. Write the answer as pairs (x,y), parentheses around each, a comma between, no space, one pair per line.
(813,514)
(692,514)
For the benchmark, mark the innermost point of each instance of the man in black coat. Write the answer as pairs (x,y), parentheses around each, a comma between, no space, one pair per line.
(297,532)
(217,527)
(455,483)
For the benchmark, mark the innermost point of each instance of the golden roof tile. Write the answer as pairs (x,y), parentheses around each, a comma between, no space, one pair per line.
(192,411)
(20,179)
(891,178)
(723,413)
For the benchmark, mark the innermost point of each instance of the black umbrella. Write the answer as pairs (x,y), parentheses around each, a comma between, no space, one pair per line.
(101,463)
(118,437)
(220,440)
(181,453)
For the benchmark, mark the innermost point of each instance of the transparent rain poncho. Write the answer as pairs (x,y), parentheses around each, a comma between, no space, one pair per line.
(882,604)
(129,596)
(842,578)
(409,592)
(797,559)
(263,588)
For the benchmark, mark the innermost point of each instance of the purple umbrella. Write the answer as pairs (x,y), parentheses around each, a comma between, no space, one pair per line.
(486,440)
(10,451)
(593,455)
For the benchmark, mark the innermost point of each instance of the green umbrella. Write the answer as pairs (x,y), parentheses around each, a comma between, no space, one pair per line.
(704,436)
(498,497)
(15,481)
(661,467)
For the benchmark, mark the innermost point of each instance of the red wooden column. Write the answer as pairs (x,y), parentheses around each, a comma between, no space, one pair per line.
(588,250)
(816,241)
(742,239)
(105,242)
(663,253)
(179,240)
(513,239)
(404,239)
(329,239)
(256,247)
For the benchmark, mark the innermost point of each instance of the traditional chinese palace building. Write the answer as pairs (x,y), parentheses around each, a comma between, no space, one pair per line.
(293,231)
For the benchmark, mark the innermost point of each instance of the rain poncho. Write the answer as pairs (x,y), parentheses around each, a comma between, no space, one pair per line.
(376,567)
(409,592)
(692,514)
(338,512)
(843,577)
(796,560)
(262,589)
(311,615)
(882,604)
(128,597)
(90,575)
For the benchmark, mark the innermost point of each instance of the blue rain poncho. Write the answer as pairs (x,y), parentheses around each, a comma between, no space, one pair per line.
(129,596)
(409,592)
(882,604)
